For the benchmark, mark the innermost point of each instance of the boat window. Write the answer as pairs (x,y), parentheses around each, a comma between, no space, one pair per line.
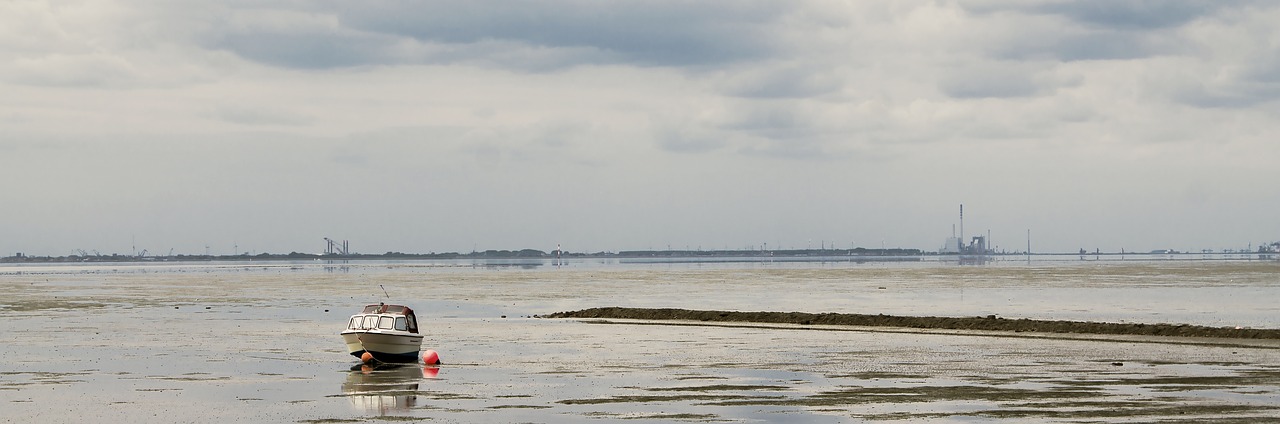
(413,324)
(370,321)
(355,323)
(402,324)
(386,322)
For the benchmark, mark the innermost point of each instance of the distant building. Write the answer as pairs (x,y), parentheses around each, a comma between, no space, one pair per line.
(977,247)
(951,246)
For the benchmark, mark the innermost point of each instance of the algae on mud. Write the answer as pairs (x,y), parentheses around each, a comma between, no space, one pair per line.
(989,323)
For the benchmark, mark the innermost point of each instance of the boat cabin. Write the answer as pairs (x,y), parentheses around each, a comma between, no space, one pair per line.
(384,317)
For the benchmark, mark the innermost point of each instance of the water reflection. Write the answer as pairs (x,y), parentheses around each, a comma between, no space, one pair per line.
(333,266)
(385,388)
(976,259)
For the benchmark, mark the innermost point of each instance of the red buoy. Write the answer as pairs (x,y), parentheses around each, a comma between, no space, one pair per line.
(430,357)
(366,357)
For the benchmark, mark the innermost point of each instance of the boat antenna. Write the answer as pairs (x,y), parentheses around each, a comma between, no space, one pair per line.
(384,291)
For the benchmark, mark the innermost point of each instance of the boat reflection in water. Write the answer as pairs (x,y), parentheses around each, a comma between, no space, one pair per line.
(386,388)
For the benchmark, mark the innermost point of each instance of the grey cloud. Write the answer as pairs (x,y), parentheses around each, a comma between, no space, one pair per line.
(1267,73)
(795,150)
(771,128)
(310,49)
(83,70)
(1238,96)
(249,115)
(690,140)
(550,33)
(988,86)
(1237,84)
(1094,45)
(1133,14)
(1002,80)
(1103,29)
(1124,15)
(344,49)
(642,32)
(776,121)
(789,82)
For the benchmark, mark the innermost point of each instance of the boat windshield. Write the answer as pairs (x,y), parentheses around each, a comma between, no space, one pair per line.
(394,317)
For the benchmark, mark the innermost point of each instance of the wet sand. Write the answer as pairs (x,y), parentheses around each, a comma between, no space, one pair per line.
(249,343)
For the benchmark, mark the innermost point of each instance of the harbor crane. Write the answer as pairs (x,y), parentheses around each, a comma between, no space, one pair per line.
(335,248)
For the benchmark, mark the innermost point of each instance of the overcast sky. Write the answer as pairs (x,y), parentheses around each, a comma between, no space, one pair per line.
(435,126)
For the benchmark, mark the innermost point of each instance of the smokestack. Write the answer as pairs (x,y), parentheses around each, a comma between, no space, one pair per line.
(962,228)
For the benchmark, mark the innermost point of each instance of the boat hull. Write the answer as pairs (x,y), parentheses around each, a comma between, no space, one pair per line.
(384,346)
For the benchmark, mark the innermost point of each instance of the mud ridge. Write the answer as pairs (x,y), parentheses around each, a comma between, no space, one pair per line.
(987,323)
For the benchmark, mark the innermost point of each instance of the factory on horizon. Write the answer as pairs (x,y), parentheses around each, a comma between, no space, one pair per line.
(978,246)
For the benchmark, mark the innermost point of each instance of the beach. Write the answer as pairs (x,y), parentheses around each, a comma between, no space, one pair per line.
(257,342)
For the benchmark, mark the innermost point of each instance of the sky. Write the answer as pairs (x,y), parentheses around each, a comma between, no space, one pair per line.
(264,126)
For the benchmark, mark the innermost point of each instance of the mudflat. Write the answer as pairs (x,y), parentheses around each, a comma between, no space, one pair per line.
(258,343)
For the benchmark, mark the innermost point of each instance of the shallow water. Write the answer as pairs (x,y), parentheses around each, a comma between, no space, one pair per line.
(258,342)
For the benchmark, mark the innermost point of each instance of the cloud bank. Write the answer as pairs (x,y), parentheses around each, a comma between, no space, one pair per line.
(448,125)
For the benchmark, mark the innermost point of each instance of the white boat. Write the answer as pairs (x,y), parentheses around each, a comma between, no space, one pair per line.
(387,332)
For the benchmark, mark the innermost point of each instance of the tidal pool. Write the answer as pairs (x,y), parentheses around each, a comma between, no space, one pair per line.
(258,343)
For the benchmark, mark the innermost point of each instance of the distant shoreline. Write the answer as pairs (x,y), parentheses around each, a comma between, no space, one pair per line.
(988,323)
(855,255)
(488,254)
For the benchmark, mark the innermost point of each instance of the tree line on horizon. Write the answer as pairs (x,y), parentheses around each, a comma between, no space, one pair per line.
(491,253)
